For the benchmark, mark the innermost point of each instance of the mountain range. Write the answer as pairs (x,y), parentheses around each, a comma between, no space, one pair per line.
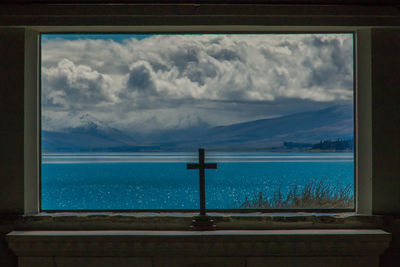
(332,123)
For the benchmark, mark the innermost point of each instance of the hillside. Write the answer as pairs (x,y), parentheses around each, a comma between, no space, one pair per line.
(258,135)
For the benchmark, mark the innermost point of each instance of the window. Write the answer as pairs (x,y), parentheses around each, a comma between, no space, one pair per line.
(123,113)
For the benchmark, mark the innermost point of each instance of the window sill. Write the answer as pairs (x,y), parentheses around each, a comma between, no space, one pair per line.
(239,244)
(183,221)
(296,239)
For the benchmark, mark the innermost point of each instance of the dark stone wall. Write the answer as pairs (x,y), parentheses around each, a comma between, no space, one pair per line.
(12,120)
(385,57)
(11,134)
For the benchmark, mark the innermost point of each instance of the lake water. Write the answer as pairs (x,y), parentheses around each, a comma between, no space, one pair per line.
(161,180)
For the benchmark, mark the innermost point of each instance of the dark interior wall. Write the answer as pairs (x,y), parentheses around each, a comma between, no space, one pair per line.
(11,134)
(385,55)
(386,120)
(385,64)
(12,120)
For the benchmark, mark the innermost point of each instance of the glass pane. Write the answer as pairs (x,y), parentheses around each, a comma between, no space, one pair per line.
(122,114)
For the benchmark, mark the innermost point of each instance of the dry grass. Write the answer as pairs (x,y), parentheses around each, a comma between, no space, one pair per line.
(314,195)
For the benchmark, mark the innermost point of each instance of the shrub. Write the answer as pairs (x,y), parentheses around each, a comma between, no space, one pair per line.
(314,195)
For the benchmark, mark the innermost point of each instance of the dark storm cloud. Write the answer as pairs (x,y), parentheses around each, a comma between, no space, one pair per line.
(183,57)
(140,78)
(334,66)
(224,54)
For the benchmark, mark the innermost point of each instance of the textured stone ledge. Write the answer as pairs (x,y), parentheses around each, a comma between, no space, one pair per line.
(183,221)
(264,243)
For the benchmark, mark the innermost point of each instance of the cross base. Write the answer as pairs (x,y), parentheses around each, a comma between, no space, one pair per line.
(203,223)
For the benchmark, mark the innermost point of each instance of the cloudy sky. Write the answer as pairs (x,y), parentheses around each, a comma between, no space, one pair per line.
(151,82)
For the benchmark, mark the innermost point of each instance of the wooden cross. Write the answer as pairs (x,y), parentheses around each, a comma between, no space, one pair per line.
(201,166)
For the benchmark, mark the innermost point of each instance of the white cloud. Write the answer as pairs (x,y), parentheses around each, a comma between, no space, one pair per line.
(71,86)
(120,82)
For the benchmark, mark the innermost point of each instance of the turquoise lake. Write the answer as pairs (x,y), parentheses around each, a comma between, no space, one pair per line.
(161,180)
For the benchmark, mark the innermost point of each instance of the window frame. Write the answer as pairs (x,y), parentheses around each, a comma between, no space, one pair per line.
(361,98)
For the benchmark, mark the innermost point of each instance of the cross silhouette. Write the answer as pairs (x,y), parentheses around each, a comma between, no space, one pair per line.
(201,166)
